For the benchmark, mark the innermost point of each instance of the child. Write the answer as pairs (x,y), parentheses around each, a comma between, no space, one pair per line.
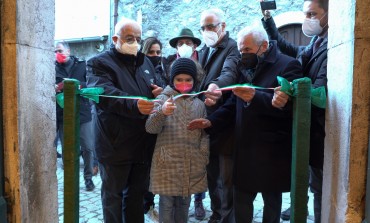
(180,156)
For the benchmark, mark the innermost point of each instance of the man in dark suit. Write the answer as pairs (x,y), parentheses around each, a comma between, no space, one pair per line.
(218,59)
(263,133)
(314,61)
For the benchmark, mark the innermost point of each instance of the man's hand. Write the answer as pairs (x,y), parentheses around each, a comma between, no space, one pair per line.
(168,107)
(245,93)
(59,87)
(212,95)
(145,107)
(156,90)
(280,98)
(266,13)
(200,123)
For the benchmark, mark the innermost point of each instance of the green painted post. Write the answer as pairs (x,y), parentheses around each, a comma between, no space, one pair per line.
(301,147)
(71,148)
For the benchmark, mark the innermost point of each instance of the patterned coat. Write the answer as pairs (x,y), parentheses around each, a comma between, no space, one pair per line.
(180,156)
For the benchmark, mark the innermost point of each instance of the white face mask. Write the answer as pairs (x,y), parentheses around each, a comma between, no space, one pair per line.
(126,48)
(210,37)
(185,51)
(312,27)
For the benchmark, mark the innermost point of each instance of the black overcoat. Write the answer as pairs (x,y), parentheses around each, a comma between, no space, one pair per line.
(263,134)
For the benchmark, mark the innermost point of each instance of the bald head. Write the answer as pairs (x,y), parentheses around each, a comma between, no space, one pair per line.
(124,24)
(127,30)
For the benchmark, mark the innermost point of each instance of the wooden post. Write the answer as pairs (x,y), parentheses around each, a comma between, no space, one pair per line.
(301,147)
(367,204)
(71,150)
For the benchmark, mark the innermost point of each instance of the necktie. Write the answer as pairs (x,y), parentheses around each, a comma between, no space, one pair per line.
(209,53)
(317,43)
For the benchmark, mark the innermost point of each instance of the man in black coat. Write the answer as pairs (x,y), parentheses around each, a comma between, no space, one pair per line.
(218,59)
(263,133)
(67,66)
(123,147)
(314,62)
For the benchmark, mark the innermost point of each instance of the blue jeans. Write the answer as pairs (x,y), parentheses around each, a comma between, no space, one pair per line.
(199,196)
(173,209)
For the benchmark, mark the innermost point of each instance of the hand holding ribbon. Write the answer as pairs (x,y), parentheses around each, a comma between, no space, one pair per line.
(145,107)
(168,107)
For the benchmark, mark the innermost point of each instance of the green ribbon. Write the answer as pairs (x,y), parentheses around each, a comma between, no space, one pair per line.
(90,93)
(318,95)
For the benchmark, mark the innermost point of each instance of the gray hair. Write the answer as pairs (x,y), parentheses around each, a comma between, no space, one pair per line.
(258,33)
(215,11)
(121,23)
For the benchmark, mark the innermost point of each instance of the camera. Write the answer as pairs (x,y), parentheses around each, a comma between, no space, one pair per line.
(268,5)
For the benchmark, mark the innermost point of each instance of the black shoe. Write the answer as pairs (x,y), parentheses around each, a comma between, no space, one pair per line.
(215,218)
(89,185)
(285,215)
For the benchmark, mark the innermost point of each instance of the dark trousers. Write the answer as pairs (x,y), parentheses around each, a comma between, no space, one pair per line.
(86,144)
(243,206)
(122,192)
(220,186)
(316,189)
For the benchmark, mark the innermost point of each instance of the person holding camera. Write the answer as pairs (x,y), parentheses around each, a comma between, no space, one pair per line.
(313,58)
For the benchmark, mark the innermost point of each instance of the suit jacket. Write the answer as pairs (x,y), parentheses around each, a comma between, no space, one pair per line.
(220,68)
(314,66)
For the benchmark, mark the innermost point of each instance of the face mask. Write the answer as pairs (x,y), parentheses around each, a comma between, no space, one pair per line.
(125,48)
(185,51)
(312,27)
(250,60)
(210,38)
(155,60)
(184,87)
(60,58)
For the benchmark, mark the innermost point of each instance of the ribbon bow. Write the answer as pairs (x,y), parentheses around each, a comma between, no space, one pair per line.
(318,95)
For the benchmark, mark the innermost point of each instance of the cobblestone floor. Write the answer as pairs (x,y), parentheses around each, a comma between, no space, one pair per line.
(91,212)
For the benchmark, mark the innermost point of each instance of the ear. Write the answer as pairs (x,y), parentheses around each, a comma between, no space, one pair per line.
(223,25)
(114,39)
(265,46)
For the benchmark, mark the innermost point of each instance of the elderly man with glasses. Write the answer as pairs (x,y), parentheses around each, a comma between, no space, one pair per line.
(123,147)
(218,58)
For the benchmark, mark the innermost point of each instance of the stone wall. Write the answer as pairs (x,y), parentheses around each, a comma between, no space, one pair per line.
(164,19)
(29,110)
(348,112)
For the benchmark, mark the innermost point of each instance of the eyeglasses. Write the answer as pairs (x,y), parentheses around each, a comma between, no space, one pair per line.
(152,52)
(209,27)
(58,51)
(131,39)
(187,42)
